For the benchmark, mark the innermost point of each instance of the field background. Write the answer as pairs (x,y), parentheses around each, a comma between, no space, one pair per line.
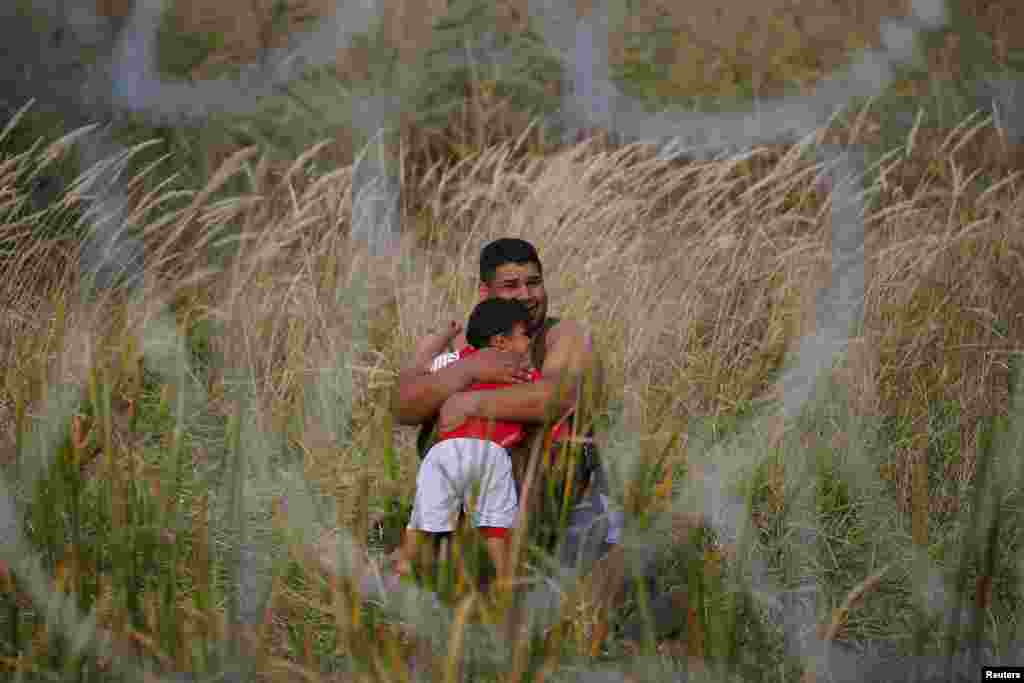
(153,441)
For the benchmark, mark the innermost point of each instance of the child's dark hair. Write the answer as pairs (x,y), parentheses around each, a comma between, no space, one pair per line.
(492,317)
(506,250)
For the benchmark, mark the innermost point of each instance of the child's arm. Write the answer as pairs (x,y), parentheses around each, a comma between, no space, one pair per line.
(434,344)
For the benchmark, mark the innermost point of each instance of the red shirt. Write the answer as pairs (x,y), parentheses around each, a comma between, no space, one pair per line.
(505,434)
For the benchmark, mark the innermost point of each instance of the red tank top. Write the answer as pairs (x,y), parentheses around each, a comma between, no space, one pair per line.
(505,434)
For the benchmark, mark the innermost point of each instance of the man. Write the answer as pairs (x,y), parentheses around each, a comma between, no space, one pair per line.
(571,380)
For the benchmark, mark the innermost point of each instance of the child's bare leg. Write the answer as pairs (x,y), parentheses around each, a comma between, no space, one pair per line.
(498,548)
(409,551)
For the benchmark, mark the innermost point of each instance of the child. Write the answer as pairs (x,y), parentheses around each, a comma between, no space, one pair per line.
(470,466)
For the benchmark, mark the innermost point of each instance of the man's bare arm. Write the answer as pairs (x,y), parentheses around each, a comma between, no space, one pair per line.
(421,393)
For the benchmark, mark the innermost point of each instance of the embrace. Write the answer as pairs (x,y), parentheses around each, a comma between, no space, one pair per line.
(543,380)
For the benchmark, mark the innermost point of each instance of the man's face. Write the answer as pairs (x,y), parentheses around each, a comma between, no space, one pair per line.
(516,341)
(522,282)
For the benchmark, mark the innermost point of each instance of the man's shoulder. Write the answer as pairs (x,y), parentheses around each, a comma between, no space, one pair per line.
(568,344)
(571,331)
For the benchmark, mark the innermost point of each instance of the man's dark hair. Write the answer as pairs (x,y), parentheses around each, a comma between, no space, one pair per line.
(506,250)
(493,317)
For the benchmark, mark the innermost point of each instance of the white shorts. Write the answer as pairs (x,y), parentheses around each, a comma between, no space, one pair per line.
(470,474)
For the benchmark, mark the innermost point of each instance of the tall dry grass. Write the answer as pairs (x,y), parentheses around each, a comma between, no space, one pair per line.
(696,279)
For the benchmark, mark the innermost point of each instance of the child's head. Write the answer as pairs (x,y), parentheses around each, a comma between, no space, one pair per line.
(501,323)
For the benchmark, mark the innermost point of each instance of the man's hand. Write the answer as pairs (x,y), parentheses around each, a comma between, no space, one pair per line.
(492,366)
(457,409)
